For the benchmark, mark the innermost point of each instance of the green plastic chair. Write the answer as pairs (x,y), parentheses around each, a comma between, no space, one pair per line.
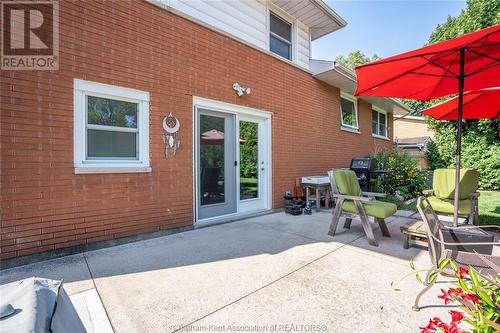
(441,197)
(350,200)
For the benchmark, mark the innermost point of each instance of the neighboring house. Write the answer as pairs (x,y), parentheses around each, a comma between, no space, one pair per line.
(417,147)
(406,126)
(412,134)
(83,147)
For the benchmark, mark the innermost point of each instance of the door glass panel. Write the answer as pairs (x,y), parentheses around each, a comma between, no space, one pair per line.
(211,160)
(249,160)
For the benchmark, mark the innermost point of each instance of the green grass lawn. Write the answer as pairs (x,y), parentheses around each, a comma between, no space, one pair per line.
(248,180)
(489,207)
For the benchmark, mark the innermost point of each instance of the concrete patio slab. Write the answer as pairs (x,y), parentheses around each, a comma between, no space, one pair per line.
(180,276)
(273,269)
(392,248)
(345,291)
(313,226)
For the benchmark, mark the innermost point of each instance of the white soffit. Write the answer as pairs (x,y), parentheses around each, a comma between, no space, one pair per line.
(318,16)
(344,78)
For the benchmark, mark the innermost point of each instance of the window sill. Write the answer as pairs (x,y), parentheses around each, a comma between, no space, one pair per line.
(95,170)
(380,137)
(350,129)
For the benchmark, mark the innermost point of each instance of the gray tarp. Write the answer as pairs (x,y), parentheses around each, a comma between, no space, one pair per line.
(40,305)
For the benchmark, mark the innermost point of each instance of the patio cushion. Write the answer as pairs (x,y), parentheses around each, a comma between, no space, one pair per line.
(347,182)
(380,209)
(443,183)
(446,205)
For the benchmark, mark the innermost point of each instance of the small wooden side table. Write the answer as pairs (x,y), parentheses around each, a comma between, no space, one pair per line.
(414,234)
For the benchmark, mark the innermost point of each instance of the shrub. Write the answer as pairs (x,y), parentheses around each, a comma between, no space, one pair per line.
(402,174)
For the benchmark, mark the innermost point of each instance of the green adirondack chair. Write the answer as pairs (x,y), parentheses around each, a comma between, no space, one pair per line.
(443,190)
(351,201)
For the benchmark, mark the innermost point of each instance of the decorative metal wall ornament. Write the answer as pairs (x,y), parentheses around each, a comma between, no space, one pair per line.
(171,125)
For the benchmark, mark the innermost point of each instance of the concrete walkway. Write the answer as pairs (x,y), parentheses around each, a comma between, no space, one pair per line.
(270,273)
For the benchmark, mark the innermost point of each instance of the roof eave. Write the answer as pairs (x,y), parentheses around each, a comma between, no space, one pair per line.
(334,68)
(330,12)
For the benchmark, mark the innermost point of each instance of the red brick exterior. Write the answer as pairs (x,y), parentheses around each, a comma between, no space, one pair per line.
(45,206)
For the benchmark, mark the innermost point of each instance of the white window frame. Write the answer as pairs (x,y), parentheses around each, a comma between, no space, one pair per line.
(292,24)
(82,164)
(379,111)
(354,100)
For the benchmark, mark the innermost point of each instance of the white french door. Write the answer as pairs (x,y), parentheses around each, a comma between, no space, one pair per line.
(253,163)
(232,159)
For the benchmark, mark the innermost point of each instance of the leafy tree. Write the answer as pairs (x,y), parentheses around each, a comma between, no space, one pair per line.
(355,58)
(478,15)
(481,138)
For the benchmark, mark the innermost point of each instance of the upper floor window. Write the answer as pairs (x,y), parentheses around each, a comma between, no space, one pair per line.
(280,39)
(111,128)
(349,112)
(379,123)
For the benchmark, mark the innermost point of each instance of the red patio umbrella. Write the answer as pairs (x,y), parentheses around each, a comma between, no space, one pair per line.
(215,137)
(468,62)
(479,104)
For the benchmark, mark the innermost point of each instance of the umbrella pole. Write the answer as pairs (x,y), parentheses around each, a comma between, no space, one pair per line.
(459,137)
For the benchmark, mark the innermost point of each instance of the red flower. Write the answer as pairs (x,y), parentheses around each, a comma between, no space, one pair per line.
(471,298)
(446,296)
(436,324)
(463,272)
(456,316)
(432,326)
(449,295)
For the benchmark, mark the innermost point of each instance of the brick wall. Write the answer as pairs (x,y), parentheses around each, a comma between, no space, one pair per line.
(134,44)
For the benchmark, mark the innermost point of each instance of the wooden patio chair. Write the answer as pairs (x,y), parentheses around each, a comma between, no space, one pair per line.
(484,264)
(443,191)
(351,201)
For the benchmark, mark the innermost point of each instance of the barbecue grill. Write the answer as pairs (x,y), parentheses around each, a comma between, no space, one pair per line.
(365,171)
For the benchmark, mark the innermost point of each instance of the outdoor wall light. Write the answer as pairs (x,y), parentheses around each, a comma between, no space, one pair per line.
(240,90)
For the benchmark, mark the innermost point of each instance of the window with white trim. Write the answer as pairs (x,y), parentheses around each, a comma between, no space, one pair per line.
(111,128)
(280,38)
(379,123)
(349,112)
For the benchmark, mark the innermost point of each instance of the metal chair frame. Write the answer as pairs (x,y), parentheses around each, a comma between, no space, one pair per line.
(437,250)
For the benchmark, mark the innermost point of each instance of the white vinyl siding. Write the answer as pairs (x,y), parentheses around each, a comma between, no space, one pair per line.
(303,45)
(246,20)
